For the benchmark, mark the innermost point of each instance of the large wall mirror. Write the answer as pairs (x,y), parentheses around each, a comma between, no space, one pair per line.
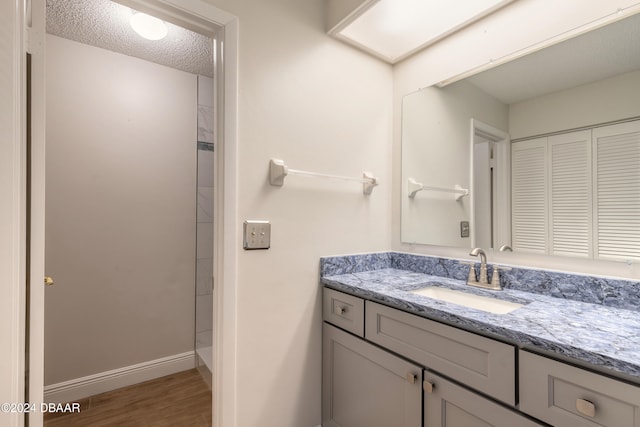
(538,155)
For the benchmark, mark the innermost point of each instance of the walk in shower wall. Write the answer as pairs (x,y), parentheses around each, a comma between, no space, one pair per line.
(204,250)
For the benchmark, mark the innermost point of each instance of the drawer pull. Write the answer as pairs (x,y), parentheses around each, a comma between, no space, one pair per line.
(586,408)
(411,377)
(341,310)
(428,387)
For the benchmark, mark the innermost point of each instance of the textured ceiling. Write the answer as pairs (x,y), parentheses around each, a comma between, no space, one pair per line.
(105,24)
(606,52)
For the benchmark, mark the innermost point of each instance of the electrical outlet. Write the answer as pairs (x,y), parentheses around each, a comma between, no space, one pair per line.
(257,234)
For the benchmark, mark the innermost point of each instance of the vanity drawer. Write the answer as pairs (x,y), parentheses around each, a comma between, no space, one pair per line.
(481,363)
(343,310)
(564,395)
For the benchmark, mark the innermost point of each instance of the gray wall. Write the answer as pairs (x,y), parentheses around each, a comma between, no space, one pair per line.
(120,221)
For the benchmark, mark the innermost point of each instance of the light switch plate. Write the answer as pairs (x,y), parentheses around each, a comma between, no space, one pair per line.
(464,228)
(257,234)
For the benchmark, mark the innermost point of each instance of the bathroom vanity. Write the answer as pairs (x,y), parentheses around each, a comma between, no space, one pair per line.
(395,357)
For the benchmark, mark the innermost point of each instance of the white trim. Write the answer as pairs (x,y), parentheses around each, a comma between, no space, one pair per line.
(70,391)
(36,36)
(12,224)
(194,15)
(226,247)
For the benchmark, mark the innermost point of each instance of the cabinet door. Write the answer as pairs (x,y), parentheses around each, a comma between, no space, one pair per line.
(365,386)
(449,405)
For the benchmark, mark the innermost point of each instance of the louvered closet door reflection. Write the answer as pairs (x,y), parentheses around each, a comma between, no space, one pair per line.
(617,191)
(529,196)
(570,195)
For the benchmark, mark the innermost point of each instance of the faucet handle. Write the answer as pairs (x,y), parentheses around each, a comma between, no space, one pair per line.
(495,276)
(472,271)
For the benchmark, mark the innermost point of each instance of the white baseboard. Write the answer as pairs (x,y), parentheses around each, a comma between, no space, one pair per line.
(79,388)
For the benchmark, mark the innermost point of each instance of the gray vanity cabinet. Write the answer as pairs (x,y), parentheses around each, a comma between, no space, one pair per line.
(373,377)
(449,405)
(565,395)
(365,386)
(481,363)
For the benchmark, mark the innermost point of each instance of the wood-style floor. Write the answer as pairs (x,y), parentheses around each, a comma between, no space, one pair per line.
(181,399)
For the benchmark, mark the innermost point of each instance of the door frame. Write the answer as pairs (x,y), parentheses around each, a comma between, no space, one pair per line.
(501,220)
(27,19)
(12,208)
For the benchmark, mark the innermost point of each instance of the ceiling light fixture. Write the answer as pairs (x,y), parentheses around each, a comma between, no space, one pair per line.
(148,27)
(395,29)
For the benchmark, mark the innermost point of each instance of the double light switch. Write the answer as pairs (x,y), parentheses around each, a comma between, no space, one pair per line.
(257,234)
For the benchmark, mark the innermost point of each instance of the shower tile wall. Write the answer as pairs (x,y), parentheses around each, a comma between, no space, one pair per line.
(204,250)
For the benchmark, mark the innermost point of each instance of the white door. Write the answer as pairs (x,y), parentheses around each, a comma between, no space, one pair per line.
(616,179)
(530,223)
(34,360)
(12,209)
(570,194)
(21,209)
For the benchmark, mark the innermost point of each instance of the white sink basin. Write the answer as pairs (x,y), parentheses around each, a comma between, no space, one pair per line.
(478,302)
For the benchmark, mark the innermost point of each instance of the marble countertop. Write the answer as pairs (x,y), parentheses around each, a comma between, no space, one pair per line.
(605,338)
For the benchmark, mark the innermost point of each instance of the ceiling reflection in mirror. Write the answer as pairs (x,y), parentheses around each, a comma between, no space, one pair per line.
(541,154)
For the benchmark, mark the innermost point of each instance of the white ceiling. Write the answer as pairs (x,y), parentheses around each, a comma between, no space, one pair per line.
(606,52)
(105,24)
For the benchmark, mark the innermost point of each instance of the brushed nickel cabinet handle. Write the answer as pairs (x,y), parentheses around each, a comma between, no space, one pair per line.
(428,386)
(48,280)
(341,310)
(586,408)
(411,377)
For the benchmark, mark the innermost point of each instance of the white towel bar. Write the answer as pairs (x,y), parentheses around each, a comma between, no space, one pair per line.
(278,171)
(414,187)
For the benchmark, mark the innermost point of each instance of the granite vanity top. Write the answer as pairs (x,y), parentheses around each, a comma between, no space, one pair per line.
(605,338)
